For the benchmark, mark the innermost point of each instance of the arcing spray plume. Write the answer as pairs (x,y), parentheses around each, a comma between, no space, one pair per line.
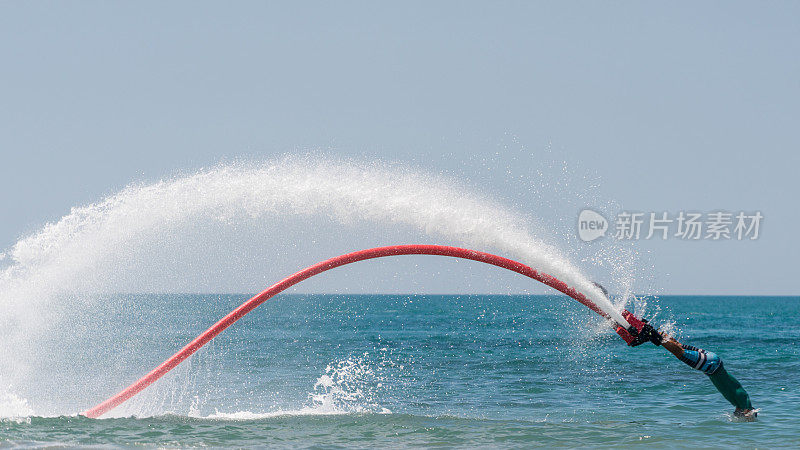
(49,274)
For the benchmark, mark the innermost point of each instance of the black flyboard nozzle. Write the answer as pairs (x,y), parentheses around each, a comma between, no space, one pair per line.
(639,331)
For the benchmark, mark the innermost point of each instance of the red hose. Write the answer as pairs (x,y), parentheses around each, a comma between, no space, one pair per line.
(320,267)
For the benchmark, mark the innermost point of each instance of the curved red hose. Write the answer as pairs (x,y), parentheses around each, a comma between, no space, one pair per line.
(320,267)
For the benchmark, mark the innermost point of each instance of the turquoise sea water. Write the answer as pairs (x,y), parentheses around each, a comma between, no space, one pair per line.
(397,371)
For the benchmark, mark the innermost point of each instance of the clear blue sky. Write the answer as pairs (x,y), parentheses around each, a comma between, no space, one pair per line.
(674,106)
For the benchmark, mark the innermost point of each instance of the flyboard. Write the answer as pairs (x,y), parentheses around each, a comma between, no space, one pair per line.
(628,331)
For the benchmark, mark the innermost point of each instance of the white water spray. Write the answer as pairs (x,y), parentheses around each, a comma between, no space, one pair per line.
(50,272)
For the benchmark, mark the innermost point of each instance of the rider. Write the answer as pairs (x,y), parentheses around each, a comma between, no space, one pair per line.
(702,360)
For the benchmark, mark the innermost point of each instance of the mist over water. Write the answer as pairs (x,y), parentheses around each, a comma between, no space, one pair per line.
(210,230)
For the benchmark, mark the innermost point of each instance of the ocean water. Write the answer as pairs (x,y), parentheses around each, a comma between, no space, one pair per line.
(407,371)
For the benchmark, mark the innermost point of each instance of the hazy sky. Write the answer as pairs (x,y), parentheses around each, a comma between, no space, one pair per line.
(693,106)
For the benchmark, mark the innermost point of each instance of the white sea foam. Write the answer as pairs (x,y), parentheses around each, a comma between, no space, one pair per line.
(346,387)
(14,408)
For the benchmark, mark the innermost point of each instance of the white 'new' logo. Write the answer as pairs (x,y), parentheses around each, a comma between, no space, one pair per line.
(591,225)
